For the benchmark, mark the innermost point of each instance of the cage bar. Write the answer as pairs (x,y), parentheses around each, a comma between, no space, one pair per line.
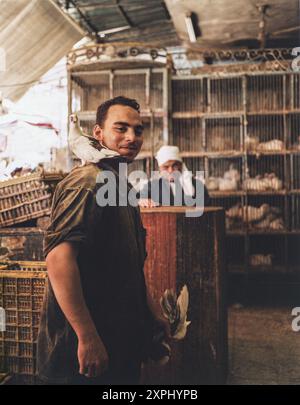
(235,252)
(296,91)
(265,173)
(295,171)
(293,131)
(265,93)
(295,212)
(234,214)
(132,85)
(266,213)
(223,134)
(224,174)
(225,94)
(157,90)
(267,252)
(153,134)
(194,164)
(265,133)
(293,253)
(187,134)
(187,95)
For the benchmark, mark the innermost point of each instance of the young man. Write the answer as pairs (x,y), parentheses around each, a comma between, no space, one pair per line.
(171,168)
(97,318)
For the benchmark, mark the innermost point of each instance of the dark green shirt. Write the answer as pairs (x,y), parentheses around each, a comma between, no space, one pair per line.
(111,243)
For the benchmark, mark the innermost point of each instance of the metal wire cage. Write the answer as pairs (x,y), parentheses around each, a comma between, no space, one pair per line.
(295,212)
(266,213)
(267,252)
(265,173)
(293,132)
(265,133)
(234,213)
(187,134)
(188,95)
(295,172)
(223,134)
(265,92)
(225,94)
(224,174)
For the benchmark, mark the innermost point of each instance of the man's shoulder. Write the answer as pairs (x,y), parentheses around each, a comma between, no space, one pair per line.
(84,177)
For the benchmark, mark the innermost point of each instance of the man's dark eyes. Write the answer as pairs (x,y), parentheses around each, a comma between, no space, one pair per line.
(139,131)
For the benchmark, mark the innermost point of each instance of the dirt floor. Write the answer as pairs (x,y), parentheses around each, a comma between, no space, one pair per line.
(263,348)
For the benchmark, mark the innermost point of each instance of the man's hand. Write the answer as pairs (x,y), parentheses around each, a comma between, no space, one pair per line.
(64,276)
(147,203)
(164,325)
(92,356)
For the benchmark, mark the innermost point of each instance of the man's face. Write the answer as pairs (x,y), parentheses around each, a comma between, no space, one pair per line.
(122,131)
(169,168)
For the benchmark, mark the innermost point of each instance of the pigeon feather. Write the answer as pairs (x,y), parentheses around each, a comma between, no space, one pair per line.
(85,147)
(175,311)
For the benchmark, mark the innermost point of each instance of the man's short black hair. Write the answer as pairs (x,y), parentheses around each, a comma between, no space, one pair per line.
(120,100)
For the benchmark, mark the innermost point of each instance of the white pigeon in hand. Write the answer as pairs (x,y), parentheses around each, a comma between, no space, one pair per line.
(85,147)
(175,311)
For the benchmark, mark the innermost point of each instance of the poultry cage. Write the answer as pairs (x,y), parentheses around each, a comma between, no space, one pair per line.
(223,135)
(293,132)
(187,134)
(241,126)
(184,106)
(224,95)
(248,127)
(267,253)
(26,197)
(23,198)
(266,93)
(22,288)
(235,252)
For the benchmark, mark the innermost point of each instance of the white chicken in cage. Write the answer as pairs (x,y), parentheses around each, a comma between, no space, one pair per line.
(212,183)
(263,183)
(273,145)
(255,213)
(261,259)
(230,180)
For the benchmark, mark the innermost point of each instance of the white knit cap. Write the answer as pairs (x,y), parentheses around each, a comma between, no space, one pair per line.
(166,153)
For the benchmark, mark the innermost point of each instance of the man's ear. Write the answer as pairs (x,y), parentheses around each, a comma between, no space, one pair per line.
(98,133)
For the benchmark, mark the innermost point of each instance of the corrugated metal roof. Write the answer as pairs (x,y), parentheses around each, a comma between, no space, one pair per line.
(147,21)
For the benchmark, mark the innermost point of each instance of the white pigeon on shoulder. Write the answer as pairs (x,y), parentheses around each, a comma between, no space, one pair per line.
(84,146)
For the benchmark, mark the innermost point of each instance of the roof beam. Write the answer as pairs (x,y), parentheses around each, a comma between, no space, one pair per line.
(91,28)
(123,14)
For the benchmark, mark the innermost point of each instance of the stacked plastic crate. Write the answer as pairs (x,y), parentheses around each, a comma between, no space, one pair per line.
(21,295)
(23,202)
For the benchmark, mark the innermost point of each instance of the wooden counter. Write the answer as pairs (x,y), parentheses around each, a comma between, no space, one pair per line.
(190,250)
